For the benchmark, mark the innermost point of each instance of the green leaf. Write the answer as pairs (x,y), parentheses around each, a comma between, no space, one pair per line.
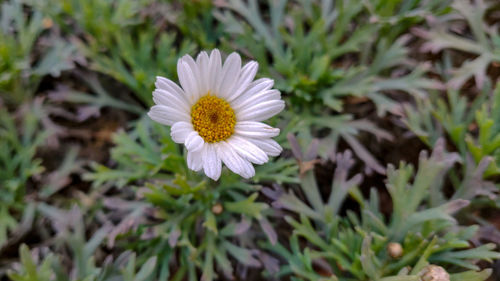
(471,275)
(247,207)
(210,222)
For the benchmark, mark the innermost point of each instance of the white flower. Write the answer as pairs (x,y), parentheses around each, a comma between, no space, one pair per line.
(217,113)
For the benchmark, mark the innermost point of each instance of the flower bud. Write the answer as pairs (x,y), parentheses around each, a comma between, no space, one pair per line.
(395,250)
(217,209)
(434,273)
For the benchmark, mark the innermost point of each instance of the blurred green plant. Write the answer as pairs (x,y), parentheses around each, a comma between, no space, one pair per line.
(327,57)
(97,20)
(71,233)
(20,72)
(357,246)
(473,127)
(19,140)
(196,21)
(353,56)
(333,129)
(125,40)
(479,40)
(334,32)
(196,223)
(130,61)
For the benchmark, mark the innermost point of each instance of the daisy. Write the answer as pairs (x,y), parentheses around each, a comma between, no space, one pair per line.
(217,113)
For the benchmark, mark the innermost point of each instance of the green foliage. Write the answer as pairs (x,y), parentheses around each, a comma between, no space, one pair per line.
(468,120)
(98,19)
(140,154)
(338,127)
(19,140)
(15,50)
(196,21)
(353,55)
(323,73)
(483,42)
(456,115)
(487,143)
(199,207)
(357,245)
(143,215)
(197,222)
(118,41)
(30,270)
(20,72)
(130,60)
(71,233)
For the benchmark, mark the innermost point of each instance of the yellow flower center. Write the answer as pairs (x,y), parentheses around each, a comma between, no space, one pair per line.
(213,118)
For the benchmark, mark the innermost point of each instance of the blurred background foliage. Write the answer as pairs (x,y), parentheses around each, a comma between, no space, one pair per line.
(91,189)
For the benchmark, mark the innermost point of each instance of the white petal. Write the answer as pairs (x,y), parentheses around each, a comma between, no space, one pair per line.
(194,160)
(202,61)
(196,75)
(261,111)
(247,150)
(248,169)
(214,71)
(194,142)
(229,76)
(247,75)
(187,80)
(255,129)
(167,98)
(180,131)
(262,96)
(269,146)
(169,86)
(233,161)
(211,163)
(167,115)
(252,89)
